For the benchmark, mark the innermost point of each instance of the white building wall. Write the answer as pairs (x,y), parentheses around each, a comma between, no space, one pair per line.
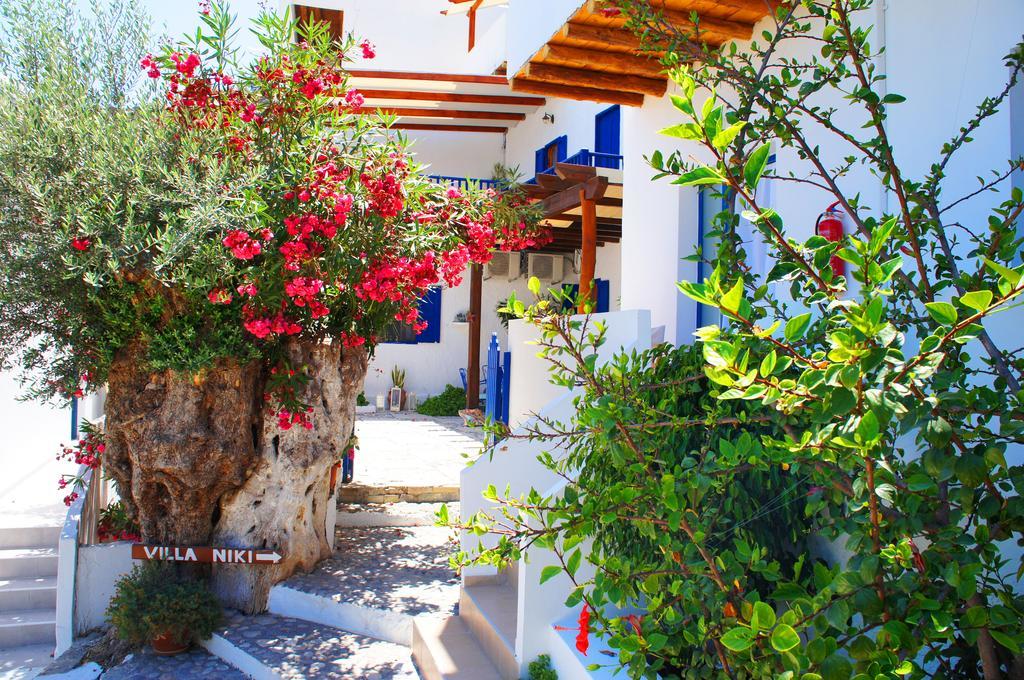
(458,154)
(413,35)
(531,23)
(659,225)
(573,119)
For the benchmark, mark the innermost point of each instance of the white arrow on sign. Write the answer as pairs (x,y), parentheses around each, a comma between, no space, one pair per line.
(268,557)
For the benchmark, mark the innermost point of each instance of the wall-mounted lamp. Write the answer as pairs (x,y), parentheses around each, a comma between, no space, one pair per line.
(549,118)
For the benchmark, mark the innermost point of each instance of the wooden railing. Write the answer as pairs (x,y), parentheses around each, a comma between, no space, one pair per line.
(97,495)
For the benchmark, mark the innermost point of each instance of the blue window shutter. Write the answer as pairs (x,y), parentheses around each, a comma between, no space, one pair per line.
(563,147)
(430,311)
(541,161)
(607,136)
(603,295)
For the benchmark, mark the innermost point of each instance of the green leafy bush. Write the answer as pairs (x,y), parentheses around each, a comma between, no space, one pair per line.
(448,403)
(879,406)
(154,599)
(540,669)
(361,400)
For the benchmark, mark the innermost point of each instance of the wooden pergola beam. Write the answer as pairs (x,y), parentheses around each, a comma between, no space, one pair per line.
(724,28)
(587,94)
(450,128)
(420,95)
(572,172)
(568,199)
(608,36)
(582,57)
(433,77)
(577,77)
(448,113)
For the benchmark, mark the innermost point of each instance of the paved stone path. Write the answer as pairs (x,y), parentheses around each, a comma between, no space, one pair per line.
(407,449)
(400,569)
(196,664)
(293,648)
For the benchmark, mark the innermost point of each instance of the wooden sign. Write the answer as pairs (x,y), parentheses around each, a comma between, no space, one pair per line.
(169,553)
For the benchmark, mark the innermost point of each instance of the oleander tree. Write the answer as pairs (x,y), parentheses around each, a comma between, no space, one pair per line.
(885,405)
(219,243)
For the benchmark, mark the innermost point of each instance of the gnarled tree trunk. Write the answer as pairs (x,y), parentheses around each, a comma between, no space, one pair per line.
(283,505)
(176,444)
(202,461)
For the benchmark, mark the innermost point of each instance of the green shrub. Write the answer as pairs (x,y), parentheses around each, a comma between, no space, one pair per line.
(448,403)
(540,669)
(155,599)
(361,400)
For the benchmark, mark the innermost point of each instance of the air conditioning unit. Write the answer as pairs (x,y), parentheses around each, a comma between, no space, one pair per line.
(504,266)
(548,268)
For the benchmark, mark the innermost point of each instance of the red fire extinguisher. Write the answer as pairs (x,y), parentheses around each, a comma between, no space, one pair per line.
(830,226)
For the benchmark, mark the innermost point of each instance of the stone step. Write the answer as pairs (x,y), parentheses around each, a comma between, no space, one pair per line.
(393,493)
(29,537)
(21,627)
(280,647)
(26,659)
(489,611)
(38,592)
(446,649)
(378,581)
(22,562)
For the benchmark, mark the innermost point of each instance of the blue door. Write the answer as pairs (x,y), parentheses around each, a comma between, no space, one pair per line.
(430,311)
(555,151)
(607,138)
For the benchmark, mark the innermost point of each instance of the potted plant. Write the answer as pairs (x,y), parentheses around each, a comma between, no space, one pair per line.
(156,604)
(363,404)
(397,396)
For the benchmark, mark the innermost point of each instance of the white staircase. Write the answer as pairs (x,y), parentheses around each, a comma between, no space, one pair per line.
(28,594)
(477,644)
(507,618)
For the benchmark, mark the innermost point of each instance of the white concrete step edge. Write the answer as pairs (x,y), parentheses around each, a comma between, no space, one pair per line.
(27,562)
(375,623)
(445,649)
(484,609)
(237,657)
(28,593)
(29,537)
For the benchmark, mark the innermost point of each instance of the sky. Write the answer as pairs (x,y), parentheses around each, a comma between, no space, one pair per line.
(177,17)
(174,18)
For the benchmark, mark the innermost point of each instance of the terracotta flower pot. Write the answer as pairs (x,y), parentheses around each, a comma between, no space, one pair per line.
(168,644)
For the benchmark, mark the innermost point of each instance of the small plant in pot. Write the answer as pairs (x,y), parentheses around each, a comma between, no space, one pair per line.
(397,394)
(156,604)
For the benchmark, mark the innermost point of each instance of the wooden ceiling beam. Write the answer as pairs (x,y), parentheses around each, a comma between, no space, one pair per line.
(420,95)
(433,77)
(608,36)
(577,77)
(613,222)
(724,28)
(450,128)
(587,94)
(448,113)
(581,57)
